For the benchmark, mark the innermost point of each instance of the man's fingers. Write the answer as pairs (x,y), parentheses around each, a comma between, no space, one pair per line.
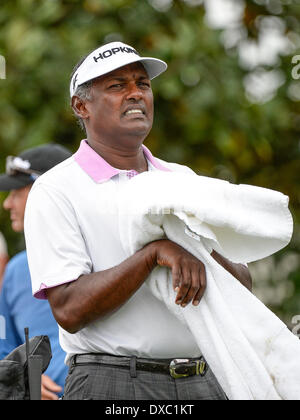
(176,277)
(49,384)
(195,285)
(49,388)
(184,286)
(48,395)
(201,290)
(188,275)
(189,285)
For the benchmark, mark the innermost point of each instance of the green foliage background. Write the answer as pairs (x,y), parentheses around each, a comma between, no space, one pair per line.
(203,117)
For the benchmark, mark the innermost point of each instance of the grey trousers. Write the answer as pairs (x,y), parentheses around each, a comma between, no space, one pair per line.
(102,381)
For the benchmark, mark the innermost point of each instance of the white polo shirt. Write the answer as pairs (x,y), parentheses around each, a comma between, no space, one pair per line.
(71,229)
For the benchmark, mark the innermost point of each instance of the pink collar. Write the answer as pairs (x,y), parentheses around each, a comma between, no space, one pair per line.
(98,169)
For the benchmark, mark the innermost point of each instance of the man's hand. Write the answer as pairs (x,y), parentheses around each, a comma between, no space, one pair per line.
(188,273)
(49,389)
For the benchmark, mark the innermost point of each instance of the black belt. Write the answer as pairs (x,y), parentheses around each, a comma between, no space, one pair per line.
(177,368)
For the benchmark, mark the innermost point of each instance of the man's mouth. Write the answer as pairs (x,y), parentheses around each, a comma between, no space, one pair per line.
(134,111)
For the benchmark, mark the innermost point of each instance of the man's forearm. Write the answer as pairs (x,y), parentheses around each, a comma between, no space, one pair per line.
(239,271)
(94,295)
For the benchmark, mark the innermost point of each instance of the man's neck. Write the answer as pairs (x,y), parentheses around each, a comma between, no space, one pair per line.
(119,157)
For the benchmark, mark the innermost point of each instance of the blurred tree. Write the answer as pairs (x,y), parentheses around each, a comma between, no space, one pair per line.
(228,106)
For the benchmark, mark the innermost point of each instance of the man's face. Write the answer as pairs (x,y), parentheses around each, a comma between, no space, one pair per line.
(121,105)
(15,203)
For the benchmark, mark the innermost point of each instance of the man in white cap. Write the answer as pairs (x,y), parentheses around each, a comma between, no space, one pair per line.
(121,341)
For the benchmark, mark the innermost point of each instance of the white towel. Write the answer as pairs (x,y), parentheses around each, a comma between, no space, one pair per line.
(250,350)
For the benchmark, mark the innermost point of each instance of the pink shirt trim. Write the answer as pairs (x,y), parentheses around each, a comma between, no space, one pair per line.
(40,294)
(98,169)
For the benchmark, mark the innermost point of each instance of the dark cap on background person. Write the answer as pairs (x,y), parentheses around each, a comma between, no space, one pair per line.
(25,168)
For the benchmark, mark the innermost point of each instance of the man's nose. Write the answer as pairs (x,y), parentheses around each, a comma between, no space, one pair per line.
(134,92)
(7,203)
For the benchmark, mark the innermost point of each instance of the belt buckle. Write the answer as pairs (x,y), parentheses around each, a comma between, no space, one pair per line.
(173,366)
(200,367)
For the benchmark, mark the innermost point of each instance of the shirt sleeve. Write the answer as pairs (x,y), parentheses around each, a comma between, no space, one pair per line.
(56,249)
(9,337)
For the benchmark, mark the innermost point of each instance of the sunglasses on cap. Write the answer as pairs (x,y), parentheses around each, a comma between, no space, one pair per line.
(15,165)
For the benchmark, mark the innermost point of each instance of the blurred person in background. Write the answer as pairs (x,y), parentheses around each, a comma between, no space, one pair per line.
(17,305)
(3,257)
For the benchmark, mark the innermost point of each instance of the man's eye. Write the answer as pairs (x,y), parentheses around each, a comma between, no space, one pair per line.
(116,85)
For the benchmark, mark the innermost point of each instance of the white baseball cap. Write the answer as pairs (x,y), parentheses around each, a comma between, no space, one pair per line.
(110,57)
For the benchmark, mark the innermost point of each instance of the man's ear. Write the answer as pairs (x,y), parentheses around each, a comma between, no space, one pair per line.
(79,107)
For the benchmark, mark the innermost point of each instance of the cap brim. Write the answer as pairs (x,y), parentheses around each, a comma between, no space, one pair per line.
(153,66)
(8,183)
